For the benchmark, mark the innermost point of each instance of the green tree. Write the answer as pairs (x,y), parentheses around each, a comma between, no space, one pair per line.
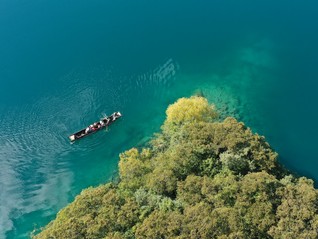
(297,215)
(200,178)
(160,224)
(190,109)
(132,169)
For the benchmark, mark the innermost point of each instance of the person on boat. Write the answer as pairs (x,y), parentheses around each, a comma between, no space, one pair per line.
(87,130)
(92,128)
(95,126)
(101,123)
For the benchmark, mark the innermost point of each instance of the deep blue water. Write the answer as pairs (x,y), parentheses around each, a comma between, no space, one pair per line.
(65,63)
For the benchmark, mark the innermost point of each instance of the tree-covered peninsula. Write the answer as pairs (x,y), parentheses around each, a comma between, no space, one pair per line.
(198,178)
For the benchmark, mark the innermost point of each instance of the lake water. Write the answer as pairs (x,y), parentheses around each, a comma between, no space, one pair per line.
(64,64)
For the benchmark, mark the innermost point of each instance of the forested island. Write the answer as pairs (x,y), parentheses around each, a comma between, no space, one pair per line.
(200,177)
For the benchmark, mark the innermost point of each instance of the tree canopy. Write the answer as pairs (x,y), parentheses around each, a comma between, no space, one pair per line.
(198,178)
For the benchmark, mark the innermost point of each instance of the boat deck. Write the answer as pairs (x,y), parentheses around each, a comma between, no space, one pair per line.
(93,128)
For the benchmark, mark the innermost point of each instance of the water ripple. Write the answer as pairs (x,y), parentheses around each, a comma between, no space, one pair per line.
(39,165)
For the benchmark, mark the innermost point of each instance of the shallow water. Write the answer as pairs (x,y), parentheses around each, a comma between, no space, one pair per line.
(64,65)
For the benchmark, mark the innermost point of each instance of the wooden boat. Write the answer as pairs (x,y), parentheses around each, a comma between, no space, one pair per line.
(93,128)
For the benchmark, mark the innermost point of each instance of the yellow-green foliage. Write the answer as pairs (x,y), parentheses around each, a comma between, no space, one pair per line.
(132,168)
(200,178)
(297,213)
(190,109)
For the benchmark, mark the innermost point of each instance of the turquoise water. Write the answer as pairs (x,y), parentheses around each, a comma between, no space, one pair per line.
(65,64)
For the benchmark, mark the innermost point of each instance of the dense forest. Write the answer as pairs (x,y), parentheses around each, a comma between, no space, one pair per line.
(200,177)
